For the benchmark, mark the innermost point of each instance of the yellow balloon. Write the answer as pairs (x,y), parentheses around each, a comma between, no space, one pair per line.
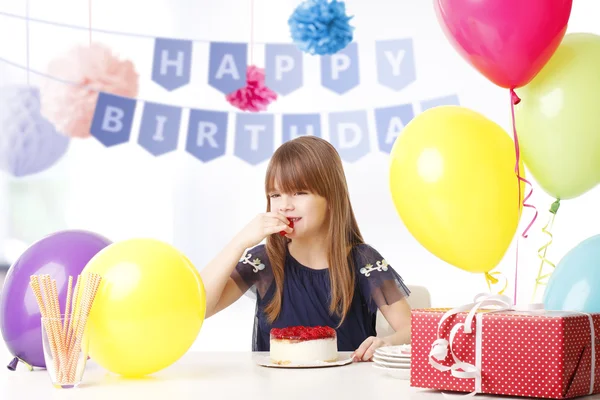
(149,307)
(453,183)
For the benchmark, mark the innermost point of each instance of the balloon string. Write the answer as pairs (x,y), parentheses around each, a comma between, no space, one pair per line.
(251,32)
(90,20)
(514,100)
(491,280)
(516,271)
(27,38)
(540,280)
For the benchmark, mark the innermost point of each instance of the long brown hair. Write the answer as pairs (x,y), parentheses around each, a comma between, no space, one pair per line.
(313,164)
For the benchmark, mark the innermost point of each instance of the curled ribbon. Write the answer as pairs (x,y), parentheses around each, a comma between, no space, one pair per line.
(491,280)
(514,100)
(541,280)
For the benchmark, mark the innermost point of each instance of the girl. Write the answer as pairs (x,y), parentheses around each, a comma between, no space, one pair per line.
(315,268)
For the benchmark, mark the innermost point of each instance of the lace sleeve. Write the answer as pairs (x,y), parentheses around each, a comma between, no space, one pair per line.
(253,270)
(379,282)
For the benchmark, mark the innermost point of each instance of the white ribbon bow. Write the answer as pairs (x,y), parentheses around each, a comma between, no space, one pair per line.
(440,347)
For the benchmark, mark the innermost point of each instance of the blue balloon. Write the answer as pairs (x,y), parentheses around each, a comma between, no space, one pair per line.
(574,284)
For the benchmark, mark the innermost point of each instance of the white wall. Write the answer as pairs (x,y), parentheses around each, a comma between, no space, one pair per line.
(124,192)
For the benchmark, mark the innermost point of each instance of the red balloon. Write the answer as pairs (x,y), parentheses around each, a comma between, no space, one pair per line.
(508,41)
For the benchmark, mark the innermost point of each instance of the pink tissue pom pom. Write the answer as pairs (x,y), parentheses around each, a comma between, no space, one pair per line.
(255,96)
(85,70)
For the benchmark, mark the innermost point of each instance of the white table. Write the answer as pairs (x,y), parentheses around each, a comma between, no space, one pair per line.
(222,375)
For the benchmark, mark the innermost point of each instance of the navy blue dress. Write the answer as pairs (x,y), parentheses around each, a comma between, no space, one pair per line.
(306,294)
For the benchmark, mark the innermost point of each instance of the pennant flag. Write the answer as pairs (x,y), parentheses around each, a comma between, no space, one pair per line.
(254,137)
(207,134)
(283,68)
(227,66)
(172,63)
(295,125)
(339,71)
(349,134)
(159,130)
(113,117)
(390,122)
(451,100)
(395,63)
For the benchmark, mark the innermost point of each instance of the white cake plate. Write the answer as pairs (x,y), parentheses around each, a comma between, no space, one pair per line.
(265,361)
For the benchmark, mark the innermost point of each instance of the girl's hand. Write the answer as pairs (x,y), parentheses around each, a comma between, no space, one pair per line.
(260,227)
(367,349)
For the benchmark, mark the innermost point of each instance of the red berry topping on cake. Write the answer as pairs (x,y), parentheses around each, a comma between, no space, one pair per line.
(303,333)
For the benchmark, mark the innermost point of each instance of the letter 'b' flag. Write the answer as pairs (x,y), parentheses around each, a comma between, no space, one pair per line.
(113,118)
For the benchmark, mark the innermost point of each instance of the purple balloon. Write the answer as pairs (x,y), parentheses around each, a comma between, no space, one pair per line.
(60,255)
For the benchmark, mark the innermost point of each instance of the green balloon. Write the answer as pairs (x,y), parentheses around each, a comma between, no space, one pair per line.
(558,119)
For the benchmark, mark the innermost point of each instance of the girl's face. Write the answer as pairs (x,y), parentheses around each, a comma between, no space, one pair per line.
(306,209)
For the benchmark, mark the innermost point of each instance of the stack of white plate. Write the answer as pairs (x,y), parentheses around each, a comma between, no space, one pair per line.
(393,361)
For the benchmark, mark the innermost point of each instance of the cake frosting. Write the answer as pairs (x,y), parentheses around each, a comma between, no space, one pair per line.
(302,344)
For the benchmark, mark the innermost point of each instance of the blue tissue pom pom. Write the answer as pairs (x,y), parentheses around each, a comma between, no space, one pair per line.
(321,26)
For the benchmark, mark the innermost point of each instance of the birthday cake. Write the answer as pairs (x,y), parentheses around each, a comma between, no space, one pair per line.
(302,344)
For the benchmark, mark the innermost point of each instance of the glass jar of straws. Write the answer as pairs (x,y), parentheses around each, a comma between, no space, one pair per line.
(65,345)
(64,336)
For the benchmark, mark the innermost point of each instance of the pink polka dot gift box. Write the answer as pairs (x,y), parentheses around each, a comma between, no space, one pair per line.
(492,347)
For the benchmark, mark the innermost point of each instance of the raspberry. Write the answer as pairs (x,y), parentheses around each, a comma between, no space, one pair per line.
(303,333)
(283,233)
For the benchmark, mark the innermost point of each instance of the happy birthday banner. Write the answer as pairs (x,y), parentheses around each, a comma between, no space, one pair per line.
(254,134)
(172,65)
